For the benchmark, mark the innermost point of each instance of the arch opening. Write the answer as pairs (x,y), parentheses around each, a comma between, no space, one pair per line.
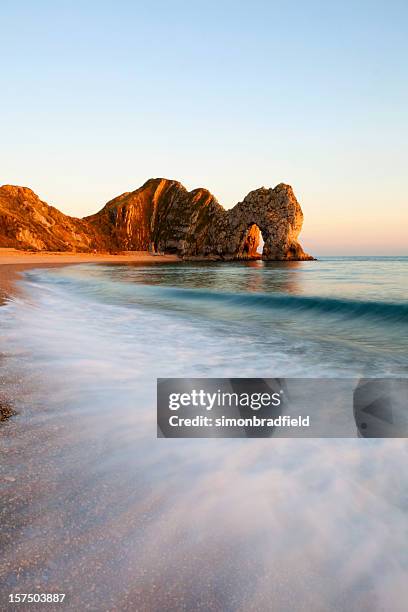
(252,243)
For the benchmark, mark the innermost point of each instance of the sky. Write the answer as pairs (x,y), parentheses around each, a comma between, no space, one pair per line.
(97,97)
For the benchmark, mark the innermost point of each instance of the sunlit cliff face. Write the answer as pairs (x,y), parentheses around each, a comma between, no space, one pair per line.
(160,216)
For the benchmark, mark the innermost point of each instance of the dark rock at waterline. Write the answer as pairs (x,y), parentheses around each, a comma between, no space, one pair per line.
(6,410)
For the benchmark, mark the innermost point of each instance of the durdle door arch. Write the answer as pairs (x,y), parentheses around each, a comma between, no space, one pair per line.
(274,213)
(161,216)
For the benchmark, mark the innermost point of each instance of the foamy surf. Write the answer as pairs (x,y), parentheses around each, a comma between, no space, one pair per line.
(98,502)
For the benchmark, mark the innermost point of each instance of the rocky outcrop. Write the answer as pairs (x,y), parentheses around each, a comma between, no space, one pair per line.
(278,215)
(160,216)
(26,222)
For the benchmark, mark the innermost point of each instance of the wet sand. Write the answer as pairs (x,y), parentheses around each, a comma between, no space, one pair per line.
(94,505)
(14,262)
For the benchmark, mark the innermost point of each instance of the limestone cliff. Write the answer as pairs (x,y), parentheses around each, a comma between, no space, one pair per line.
(26,222)
(160,216)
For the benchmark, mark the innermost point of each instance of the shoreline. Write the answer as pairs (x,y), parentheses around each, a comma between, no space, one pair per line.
(13,262)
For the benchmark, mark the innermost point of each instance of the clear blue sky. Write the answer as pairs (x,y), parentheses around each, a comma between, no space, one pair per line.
(96,97)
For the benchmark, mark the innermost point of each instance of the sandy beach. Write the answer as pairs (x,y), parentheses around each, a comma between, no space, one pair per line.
(96,506)
(13,261)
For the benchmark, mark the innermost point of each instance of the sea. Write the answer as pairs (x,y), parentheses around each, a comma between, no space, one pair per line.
(94,505)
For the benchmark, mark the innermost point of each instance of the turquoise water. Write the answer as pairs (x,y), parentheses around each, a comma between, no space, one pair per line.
(118,519)
(337,316)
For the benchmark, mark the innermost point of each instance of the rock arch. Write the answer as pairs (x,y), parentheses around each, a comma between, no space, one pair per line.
(277,214)
(161,215)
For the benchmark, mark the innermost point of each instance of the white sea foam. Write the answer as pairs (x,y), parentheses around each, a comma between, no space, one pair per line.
(104,510)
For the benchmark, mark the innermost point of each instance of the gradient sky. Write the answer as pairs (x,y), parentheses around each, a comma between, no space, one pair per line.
(97,97)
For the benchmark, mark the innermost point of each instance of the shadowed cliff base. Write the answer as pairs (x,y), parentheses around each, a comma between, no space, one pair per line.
(161,217)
